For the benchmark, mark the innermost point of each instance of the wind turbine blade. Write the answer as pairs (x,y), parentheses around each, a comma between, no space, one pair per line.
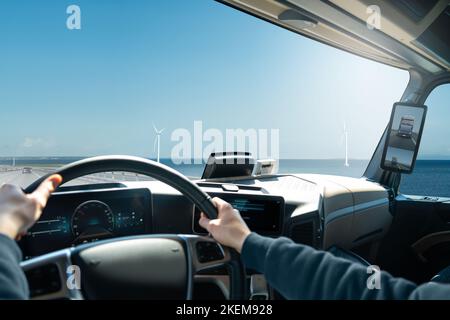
(154,127)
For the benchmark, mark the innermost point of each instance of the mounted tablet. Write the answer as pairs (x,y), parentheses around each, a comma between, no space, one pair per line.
(403,140)
(229,164)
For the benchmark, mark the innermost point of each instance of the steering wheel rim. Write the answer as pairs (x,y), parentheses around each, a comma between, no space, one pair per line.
(138,165)
(64,258)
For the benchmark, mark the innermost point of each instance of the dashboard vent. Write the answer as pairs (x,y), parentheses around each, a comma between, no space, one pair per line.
(303,233)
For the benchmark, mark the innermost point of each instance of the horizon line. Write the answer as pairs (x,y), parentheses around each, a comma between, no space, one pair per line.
(166,158)
(194,159)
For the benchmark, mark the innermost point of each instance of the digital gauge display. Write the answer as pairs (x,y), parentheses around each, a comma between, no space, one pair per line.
(92,219)
(73,218)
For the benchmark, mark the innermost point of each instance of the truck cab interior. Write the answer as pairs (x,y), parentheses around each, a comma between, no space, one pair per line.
(141,239)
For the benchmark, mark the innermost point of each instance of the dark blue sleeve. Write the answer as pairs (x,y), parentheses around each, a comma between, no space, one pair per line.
(13,284)
(301,272)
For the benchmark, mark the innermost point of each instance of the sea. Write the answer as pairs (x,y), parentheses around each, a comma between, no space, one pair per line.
(429,178)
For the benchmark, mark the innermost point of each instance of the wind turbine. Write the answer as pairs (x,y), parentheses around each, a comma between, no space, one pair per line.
(157,143)
(345,133)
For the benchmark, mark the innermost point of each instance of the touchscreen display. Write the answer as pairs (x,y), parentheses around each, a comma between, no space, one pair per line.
(70,219)
(263,214)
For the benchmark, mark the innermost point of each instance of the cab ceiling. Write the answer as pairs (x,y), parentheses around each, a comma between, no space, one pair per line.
(413,33)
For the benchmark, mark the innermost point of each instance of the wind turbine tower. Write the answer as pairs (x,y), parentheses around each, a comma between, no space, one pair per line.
(346,145)
(157,143)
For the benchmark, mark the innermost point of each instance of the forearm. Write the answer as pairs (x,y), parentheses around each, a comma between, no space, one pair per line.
(300,272)
(13,284)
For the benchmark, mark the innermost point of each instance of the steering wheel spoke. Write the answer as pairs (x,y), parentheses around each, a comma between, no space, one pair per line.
(56,268)
(206,253)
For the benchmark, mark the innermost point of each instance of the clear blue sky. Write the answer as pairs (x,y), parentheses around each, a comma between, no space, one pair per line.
(97,90)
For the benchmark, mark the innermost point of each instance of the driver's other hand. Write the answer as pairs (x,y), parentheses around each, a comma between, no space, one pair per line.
(229,228)
(19,211)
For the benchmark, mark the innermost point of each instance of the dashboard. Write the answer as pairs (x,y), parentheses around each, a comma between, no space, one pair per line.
(316,210)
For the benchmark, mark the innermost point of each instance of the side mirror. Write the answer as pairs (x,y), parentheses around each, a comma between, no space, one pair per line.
(403,139)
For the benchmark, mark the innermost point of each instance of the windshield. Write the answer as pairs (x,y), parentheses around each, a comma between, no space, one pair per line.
(177,80)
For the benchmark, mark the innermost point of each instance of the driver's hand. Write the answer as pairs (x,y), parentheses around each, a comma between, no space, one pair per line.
(229,228)
(19,211)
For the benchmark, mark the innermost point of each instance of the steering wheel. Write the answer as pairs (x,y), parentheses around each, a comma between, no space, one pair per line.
(157,266)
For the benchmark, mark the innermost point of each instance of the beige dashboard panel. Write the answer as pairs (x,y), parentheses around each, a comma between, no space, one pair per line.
(371,216)
(355,210)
